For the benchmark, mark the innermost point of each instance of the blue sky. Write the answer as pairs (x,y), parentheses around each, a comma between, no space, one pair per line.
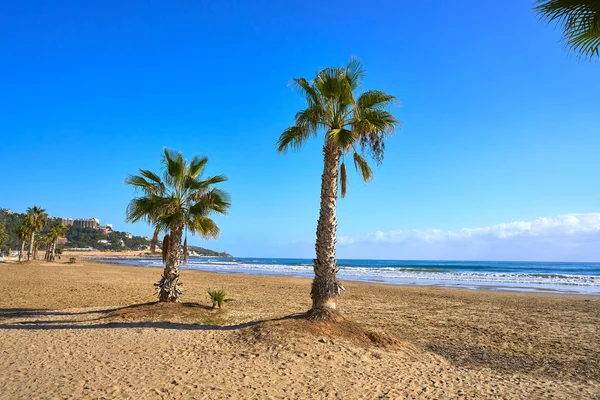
(500,120)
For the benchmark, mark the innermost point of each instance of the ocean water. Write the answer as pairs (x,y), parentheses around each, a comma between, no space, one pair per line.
(568,277)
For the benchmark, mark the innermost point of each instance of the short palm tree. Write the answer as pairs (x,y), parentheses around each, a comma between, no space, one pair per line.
(35,218)
(22,232)
(353,126)
(185,201)
(49,239)
(57,231)
(580,20)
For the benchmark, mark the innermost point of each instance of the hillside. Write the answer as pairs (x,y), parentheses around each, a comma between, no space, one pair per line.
(98,239)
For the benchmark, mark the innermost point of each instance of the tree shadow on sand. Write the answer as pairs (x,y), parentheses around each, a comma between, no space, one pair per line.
(145,315)
(191,317)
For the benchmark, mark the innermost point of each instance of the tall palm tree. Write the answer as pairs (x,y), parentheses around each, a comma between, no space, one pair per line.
(185,201)
(580,21)
(36,219)
(353,126)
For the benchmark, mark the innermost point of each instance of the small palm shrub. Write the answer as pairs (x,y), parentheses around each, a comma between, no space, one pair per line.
(71,260)
(217,297)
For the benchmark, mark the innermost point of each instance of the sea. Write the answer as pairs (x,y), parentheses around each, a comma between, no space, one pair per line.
(566,277)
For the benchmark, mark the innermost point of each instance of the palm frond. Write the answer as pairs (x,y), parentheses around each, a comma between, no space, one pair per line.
(343,179)
(196,165)
(175,166)
(151,176)
(330,82)
(146,208)
(580,21)
(355,72)
(293,138)
(140,182)
(213,180)
(165,247)
(343,138)
(305,88)
(203,226)
(374,99)
(215,200)
(310,118)
(185,251)
(362,167)
(154,240)
(373,126)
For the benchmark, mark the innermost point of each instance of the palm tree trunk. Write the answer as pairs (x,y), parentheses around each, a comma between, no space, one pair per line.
(53,253)
(22,250)
(325,286)
(154,239)
(168,286)
(30,253)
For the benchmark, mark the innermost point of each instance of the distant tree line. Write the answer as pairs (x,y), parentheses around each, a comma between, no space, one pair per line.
(11,236)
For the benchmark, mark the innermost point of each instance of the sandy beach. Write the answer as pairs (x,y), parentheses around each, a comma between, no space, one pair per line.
(86,330)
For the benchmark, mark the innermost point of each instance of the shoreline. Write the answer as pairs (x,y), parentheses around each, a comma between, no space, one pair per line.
(465,285)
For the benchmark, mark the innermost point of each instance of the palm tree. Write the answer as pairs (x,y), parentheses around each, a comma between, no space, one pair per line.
(580,20)
(40,239)
(22,232)
(49,239)
(57,231)
(352,127)
(36,219)
(185,201)
(3,237)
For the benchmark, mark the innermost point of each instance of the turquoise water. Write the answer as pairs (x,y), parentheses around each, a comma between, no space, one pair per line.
(567,277)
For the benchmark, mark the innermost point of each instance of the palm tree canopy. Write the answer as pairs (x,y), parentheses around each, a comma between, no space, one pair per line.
(580,20)
(182,197)
(22,231)
(58,230)
(36,218)
(355,125)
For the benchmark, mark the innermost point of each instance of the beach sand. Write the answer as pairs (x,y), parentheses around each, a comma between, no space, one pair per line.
(72,331)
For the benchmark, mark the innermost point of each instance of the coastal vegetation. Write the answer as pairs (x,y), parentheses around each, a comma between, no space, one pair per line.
(182,200)
(217,297)
(3,235)
(354,128)
(580,22)
(78,237)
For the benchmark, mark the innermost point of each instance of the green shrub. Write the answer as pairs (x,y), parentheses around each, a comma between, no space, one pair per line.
(71,260)
(217,297)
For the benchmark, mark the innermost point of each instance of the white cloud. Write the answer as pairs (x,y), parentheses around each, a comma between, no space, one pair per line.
(569,237)
(562,225)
